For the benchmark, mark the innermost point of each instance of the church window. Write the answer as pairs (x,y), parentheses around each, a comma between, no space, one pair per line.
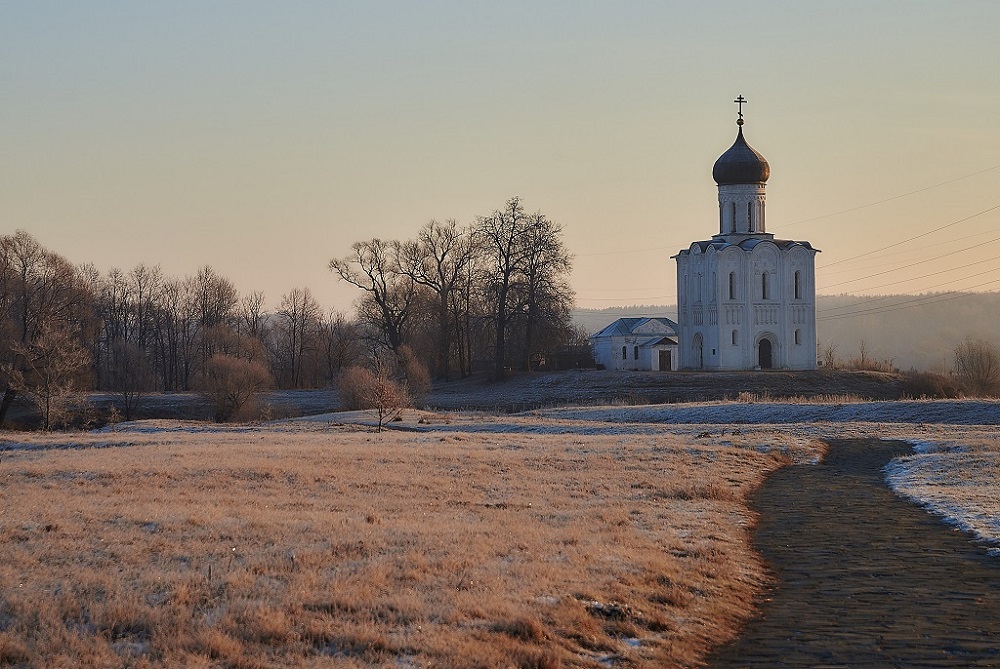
(798,285)
(732,224)
(635,353)
(732,285)
(736,340)
(763,285)
(798,336)
(750,216)
(624,352)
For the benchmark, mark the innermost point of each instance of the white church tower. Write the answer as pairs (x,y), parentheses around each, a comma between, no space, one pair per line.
(745,300)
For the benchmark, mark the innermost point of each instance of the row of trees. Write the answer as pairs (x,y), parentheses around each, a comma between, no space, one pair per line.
(455,295)
(66,327)
(496,290)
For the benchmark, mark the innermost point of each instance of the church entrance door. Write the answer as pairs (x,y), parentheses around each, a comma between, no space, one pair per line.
(764,354)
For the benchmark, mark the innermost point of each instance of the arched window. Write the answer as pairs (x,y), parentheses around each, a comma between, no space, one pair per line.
(736,339)
(798,285)
(732,226)
(732,285)
(750,216)
(798,336)
(635,353)
(624,352)
(763,285)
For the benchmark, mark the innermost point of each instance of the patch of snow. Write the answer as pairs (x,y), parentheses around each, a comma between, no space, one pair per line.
(959,485)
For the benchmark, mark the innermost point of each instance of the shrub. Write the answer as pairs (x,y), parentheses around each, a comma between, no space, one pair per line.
(351,384)
(977,363)
(930,384)
(361,388)
(232,384)
(414,373)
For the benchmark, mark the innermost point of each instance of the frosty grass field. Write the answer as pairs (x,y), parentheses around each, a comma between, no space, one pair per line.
(577,537)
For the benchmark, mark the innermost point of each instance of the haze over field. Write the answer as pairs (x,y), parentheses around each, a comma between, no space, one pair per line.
(264,140)
(913,332)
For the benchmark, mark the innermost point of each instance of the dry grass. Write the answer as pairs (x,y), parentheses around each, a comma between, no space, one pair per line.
(289,547)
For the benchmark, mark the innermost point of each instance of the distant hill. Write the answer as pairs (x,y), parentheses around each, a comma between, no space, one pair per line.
(912,331)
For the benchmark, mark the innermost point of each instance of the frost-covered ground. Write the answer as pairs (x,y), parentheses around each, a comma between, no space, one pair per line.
(956,479)
(953,472)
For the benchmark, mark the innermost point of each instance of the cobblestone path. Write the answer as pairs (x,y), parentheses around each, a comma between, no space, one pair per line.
(865,579)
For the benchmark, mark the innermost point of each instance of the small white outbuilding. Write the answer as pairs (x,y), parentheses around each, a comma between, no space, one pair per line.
(640,343)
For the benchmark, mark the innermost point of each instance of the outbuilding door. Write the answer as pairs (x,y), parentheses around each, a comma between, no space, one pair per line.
(665,361)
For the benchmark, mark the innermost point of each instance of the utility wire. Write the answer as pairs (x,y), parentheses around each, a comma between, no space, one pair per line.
(910,239)
(909,304)
(914,264)
(888,199)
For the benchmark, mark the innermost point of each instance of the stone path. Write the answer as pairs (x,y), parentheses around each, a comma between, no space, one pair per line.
(865,578)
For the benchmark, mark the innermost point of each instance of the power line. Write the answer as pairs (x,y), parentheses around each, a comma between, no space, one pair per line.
(910,239)
(814,218)
(944,271)
(889,199)
(909,304)
(953,240)
(914,264)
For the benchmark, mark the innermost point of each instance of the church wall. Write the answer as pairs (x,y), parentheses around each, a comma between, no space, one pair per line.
(713,306)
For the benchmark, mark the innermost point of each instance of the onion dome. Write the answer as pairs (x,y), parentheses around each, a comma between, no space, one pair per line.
(741,164)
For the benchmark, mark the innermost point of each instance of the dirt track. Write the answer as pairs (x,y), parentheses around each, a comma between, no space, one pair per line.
(865,578)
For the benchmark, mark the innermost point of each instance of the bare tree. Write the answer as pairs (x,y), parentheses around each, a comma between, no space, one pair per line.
(373,266)
(131,377)
(525,266)
(297,326)
(547,295)
(438,259)
(830,356)
(49,373)
(340,344)
(977,364)
(502,236)
(39,291)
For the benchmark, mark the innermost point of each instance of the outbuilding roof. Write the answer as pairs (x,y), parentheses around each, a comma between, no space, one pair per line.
(656,326)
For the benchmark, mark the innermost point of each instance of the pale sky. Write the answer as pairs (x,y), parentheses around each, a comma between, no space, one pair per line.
(265,138)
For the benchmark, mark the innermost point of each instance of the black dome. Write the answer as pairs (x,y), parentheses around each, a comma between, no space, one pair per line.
(741,164)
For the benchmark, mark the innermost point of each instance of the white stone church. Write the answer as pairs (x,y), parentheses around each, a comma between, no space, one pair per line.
(745,300)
